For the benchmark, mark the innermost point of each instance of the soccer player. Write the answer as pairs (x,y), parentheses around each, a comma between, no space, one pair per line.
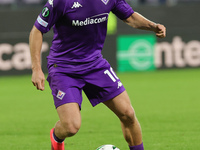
(75,63)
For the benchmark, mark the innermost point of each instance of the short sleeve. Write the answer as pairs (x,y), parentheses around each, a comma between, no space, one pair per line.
(122,9)
(50,13)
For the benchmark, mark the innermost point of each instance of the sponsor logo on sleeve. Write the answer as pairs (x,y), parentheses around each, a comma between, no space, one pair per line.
(42,22)
(45,12)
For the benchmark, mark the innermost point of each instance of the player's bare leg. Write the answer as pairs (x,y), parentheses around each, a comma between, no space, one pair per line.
(70,120)
(122,107)
(69,123)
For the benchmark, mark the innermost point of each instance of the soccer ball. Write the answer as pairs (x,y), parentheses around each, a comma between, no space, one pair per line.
(107,147)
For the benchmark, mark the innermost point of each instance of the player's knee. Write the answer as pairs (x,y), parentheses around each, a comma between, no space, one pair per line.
(71,129)
(128,116)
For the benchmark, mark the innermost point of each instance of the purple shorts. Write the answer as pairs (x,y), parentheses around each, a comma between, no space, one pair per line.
(99,83)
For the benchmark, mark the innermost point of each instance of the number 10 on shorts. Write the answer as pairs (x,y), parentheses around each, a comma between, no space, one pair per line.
(111,74)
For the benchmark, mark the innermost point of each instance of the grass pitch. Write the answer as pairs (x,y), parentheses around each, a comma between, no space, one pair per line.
(166,103)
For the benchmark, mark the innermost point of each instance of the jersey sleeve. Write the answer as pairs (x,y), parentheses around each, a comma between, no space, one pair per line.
(50,13)
(122,9)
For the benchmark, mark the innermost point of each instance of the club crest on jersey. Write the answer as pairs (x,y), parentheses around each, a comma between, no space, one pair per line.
(105,1)
(60,94)
(50,2)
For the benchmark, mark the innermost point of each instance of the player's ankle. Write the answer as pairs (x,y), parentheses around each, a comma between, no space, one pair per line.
(137,147)
(57,139)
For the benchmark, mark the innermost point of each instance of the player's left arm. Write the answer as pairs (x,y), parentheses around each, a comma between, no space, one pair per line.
(138,21)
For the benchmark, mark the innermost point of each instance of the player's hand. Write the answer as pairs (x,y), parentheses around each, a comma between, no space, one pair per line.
(160,31)
(38,79)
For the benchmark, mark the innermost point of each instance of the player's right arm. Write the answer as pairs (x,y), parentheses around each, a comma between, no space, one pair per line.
(35,43)
(51,12)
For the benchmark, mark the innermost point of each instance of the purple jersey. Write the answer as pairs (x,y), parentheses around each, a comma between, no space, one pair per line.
(80,28)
